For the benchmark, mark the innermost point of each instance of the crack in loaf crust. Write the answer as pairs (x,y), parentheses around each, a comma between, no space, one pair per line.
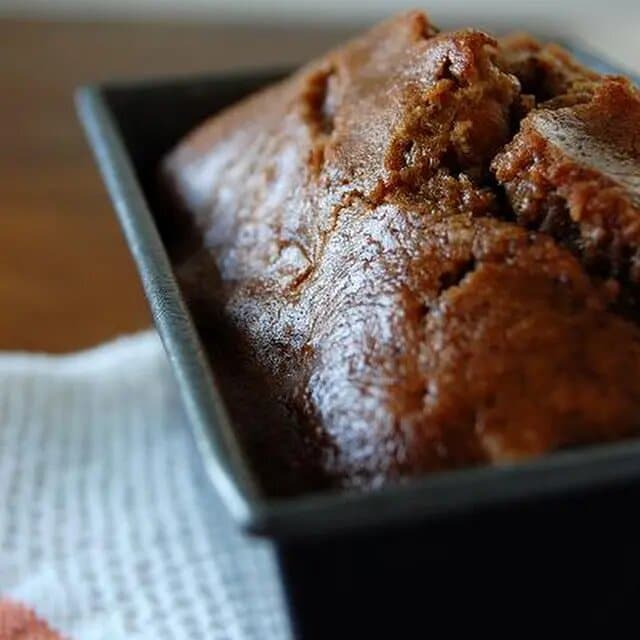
(354,235)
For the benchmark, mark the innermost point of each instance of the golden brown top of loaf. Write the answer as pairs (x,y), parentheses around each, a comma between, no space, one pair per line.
(421,242)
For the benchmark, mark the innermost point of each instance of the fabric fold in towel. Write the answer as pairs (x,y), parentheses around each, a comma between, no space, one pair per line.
(109,527)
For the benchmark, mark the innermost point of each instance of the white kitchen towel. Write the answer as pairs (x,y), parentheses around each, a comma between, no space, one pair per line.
(109,528)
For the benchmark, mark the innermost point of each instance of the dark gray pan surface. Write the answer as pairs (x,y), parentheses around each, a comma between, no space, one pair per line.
(130,127)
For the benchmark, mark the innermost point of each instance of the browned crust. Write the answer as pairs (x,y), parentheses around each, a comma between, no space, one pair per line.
(366,257)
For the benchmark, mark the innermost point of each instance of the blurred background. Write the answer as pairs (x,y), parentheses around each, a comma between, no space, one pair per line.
(66,281)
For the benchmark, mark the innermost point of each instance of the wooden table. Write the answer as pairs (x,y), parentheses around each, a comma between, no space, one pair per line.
(66,279)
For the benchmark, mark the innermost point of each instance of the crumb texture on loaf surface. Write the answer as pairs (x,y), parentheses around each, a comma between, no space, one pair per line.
(425,248)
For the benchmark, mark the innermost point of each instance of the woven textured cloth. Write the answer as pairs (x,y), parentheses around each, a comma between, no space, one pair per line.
(109,527)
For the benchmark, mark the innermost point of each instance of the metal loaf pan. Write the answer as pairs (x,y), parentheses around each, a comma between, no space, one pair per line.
(392,558)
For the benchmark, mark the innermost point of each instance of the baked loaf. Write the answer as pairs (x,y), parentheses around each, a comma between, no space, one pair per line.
(424,248)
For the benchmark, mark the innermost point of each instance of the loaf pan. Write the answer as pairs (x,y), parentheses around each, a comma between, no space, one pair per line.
(351,553)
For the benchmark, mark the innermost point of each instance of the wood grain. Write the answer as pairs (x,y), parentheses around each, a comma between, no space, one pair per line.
(66,279)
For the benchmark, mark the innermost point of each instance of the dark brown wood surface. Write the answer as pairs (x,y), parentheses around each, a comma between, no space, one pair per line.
(66,279)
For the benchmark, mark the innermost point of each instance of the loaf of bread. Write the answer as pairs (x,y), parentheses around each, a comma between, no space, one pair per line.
(421,252)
